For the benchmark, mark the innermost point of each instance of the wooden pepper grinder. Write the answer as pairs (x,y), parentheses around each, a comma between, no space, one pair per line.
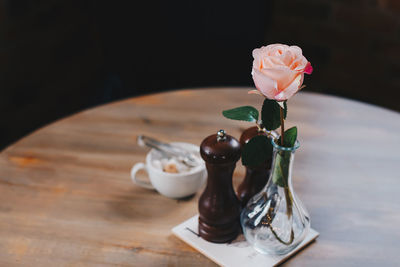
(256,176)
(219,206)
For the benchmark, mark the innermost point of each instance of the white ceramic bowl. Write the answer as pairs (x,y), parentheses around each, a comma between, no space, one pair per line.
(172,185)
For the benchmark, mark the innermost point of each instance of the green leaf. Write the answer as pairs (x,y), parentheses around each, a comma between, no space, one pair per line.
(290,137)
(281,169)
(245,113)
(270,114)
(257,151)
(282,159)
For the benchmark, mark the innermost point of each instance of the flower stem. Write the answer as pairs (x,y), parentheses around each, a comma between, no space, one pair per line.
(289,213)
(282,125)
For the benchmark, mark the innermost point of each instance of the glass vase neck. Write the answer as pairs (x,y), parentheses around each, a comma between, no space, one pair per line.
(278,147)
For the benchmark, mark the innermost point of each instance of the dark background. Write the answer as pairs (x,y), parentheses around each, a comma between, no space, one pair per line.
(58,57)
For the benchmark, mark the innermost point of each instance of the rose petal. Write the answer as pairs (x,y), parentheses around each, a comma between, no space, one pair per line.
(301,82)
(308,69)
(291,89)
(287,58)
(257,62)
(257,53)
(271,62)
(255,92)
(299,64)
(282,74)
(296,50)
(266,85)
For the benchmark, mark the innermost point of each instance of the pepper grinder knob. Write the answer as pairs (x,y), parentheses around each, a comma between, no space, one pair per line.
(221,135)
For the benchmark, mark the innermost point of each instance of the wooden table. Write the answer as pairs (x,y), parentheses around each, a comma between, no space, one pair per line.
(66,197)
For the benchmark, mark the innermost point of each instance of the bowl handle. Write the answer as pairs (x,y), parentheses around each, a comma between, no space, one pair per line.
(137,167)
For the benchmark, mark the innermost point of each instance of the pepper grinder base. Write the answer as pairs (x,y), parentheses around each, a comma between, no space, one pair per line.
(219,233)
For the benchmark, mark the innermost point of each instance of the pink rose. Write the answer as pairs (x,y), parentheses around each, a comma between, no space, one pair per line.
(278,70)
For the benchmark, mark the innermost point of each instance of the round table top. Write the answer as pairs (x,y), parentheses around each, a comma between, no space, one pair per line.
(66,196)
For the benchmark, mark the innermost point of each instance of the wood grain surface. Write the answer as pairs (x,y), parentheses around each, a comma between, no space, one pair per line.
(66,198)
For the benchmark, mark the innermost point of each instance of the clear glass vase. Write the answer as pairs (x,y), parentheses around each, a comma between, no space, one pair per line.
(275,221)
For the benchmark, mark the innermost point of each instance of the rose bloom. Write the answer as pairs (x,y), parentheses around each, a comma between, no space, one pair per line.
(278,70)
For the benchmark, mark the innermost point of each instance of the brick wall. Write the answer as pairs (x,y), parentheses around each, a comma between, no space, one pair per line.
(354,45)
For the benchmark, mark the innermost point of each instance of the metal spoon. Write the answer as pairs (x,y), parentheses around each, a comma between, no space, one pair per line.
(170,150)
